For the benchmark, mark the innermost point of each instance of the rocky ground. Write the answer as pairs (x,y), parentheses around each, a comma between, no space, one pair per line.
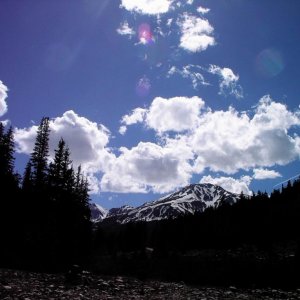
(30,286)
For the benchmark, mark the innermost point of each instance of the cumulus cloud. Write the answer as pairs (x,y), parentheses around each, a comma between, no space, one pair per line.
(87,141)
(147,7)
(146,167)
(228,81)
(124,29)
(196,33)
(265,174)
(191,72)
(5,122)
(174,114)
(137,115)
(122,129)
(228,140)
(3,96)
(191,138)
(203,10)
(230,184)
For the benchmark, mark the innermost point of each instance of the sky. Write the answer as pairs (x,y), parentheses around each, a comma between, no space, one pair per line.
(152,95)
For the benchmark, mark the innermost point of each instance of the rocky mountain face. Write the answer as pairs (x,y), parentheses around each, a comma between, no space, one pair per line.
(189,200)
(98,213)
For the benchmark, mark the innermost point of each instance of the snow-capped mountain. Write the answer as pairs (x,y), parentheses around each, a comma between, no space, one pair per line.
(98,213)
(189,200)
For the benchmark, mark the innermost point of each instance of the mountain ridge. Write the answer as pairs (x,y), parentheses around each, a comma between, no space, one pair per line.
(194,198)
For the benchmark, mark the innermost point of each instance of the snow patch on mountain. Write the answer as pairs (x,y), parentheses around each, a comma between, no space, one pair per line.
(98,213)
(192,199)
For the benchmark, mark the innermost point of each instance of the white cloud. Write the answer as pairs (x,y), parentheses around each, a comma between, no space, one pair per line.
(228,81)
(148,167)
(230,184)
(124,29)
(226,141)
(196,33)
(5,122)
(190,72)
(265,174)
(169,22)
(3,96)
(148,7)
(137,116)
(122,129)
(191,137)
(175,114)
(87,141)
(203,10)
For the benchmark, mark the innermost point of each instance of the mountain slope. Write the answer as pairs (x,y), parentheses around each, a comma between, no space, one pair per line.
(98,213)
(189,200)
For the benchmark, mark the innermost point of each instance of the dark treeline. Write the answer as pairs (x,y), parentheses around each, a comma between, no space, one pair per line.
(44,214)
(255,241)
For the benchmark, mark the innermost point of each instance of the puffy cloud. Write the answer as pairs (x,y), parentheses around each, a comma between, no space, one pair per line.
(226,141)
(203,10)
(230,184)
(3,96)
(124,29)
(87,141)
(122,129)
(274,115)
(228,81)
(265,174)
(196,33)
(190,72)
(5,122)
(148,166)
(149,7)
(175,114)
(137,116)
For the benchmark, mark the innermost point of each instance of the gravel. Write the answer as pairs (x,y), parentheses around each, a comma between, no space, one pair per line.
(15,285)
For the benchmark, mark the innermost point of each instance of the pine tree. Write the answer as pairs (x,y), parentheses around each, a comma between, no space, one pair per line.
(9,179)
(40,153)
(10,145)
(27,177)
(56,167)
(2,149)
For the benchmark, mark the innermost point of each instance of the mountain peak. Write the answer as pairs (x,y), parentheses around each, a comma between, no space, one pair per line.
(191,199)
(98,213)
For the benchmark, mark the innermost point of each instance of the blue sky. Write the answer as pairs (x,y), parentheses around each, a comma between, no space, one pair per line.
(152,95)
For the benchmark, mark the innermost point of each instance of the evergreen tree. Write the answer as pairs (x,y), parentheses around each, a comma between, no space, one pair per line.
(40,153)
(27,177)
(56,174)
(9,203)
(6,152)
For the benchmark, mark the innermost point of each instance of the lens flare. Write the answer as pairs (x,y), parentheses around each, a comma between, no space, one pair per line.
(145,34)
(269,63)
(143,86)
